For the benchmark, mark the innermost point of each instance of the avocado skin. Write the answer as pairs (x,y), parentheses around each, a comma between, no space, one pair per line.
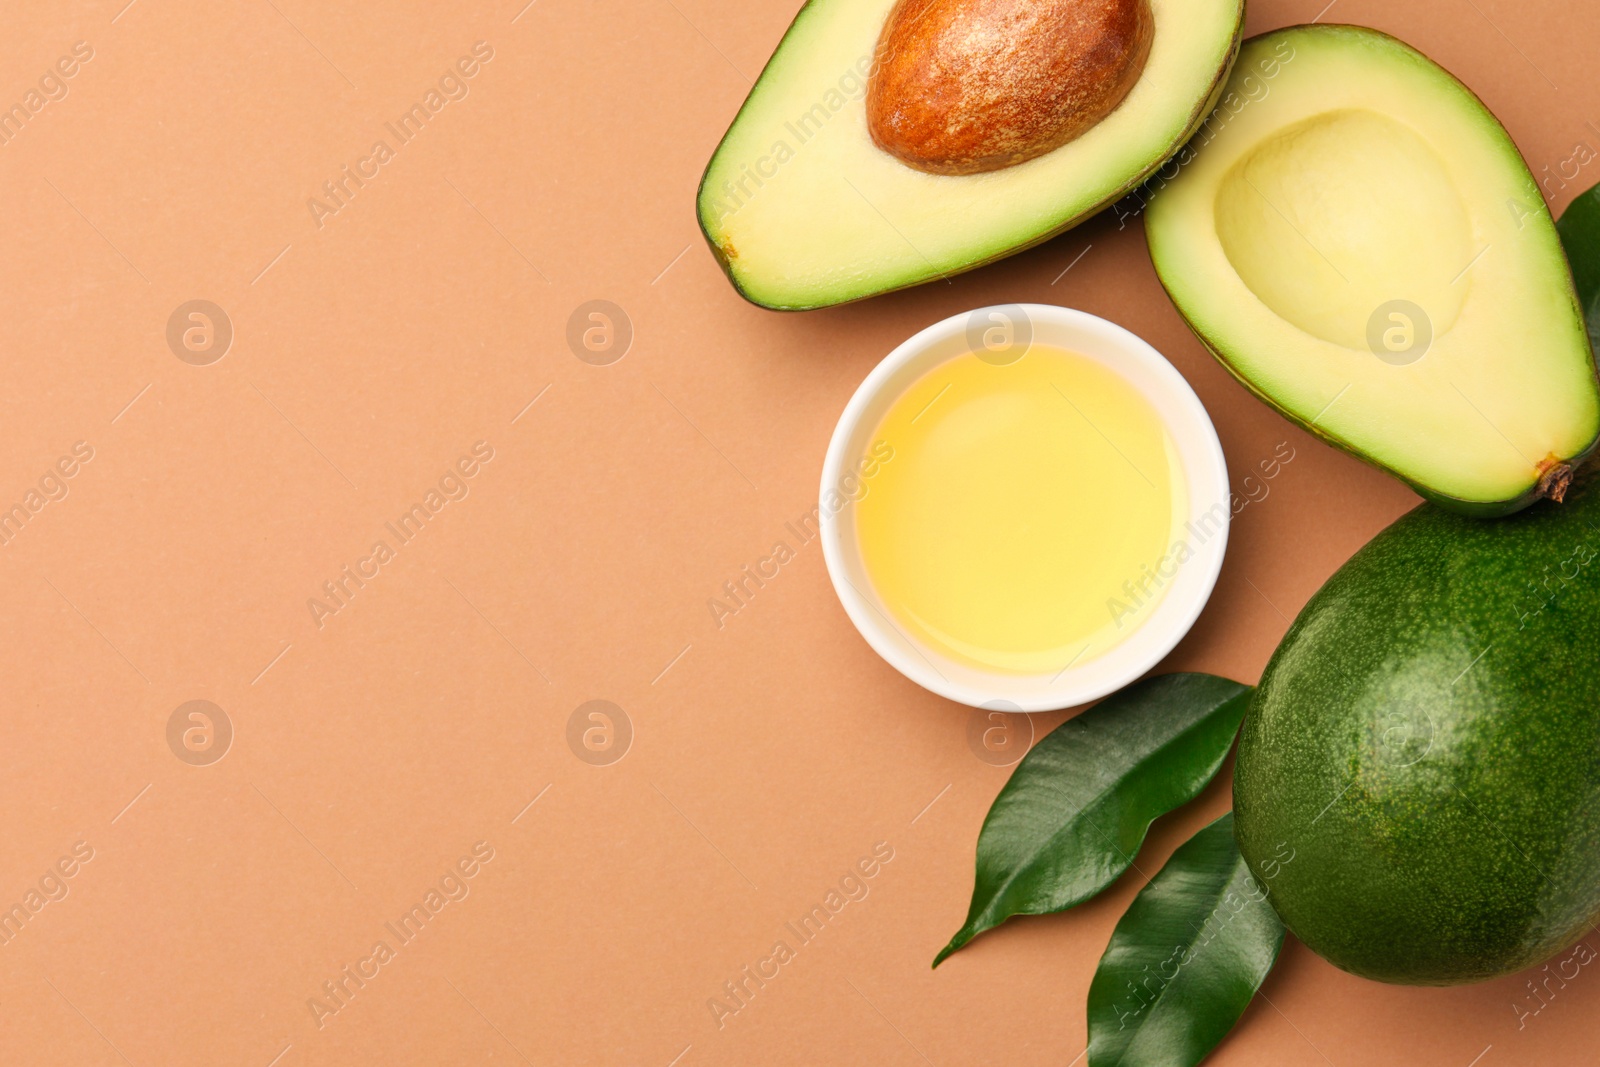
(1427,740)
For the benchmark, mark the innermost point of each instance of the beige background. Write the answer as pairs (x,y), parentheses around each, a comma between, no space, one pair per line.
(372,753)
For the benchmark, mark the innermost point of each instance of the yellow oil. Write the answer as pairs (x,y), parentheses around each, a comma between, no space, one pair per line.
(1027,512)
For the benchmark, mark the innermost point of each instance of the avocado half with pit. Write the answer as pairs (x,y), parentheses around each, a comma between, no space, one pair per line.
(890,143)
(1355,237)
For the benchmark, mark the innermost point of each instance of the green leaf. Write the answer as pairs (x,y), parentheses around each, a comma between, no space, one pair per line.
(1185,960)
(1076,809)
(1579,227)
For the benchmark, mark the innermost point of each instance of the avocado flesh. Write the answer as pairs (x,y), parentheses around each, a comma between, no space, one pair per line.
(803,210)
(1362,173)
(1426,740)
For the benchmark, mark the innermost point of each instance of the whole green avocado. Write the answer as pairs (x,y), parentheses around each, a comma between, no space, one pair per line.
(1425,746)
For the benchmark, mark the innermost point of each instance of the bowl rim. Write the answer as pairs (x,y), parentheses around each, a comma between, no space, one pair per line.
(1206,475)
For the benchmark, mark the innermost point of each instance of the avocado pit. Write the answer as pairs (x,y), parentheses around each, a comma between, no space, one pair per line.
(970,86)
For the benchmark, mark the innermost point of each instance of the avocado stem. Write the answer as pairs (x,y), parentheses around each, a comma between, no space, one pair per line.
(1556,478)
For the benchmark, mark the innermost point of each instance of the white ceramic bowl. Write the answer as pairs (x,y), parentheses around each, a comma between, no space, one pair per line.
(1204,470)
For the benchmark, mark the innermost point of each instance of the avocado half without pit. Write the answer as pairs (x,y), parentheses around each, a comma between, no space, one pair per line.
(892,143)
(1356,239)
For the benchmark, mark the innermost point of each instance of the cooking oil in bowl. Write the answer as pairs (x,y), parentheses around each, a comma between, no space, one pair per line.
(1029,519)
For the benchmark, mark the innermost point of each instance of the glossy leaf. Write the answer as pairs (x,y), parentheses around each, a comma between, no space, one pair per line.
(1185,960)
(1579,227)
(1076,809)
